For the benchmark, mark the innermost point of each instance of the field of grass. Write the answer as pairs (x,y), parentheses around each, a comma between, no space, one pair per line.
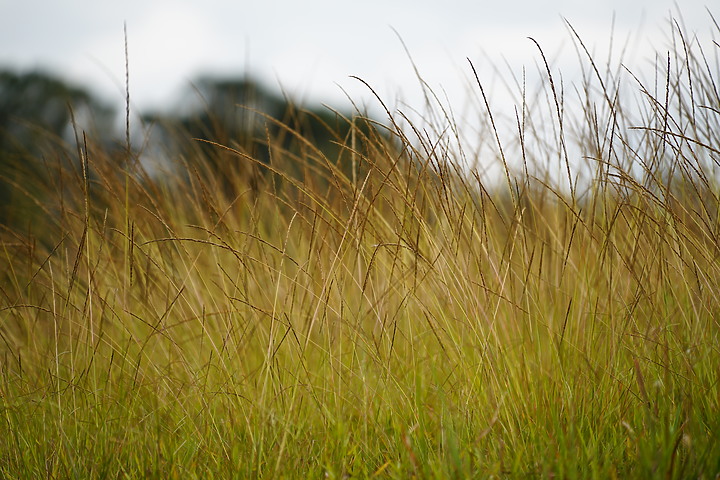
(385,312)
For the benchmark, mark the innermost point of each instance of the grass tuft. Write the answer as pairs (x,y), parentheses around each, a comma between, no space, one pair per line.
(391,309)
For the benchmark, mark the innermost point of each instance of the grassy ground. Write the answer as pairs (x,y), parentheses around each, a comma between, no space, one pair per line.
(397,317)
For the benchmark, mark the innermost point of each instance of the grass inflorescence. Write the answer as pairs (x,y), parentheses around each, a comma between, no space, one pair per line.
(387,309)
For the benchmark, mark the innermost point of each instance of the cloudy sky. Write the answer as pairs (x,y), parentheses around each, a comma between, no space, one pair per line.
(311,47)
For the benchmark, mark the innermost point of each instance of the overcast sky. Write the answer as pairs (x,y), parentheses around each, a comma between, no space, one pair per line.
(311,47)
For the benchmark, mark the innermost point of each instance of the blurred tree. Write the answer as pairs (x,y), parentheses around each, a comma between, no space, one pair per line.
(242,114)
(36,112)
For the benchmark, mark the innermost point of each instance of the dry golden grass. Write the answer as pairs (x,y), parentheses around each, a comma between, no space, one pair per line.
(398,318)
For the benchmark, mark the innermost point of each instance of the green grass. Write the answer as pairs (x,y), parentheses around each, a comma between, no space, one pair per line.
(413,318)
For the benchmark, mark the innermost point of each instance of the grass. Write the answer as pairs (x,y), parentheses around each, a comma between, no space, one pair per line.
(406,317)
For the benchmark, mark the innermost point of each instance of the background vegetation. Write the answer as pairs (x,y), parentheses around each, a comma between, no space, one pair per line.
(326,295)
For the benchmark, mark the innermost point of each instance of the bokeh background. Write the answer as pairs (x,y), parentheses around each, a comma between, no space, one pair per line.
(309,49)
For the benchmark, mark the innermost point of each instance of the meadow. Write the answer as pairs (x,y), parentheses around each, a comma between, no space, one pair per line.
(542,304)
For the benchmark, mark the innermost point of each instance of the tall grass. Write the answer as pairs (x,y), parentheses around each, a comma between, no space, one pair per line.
(405,317)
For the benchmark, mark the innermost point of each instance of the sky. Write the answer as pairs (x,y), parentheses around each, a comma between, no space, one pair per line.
(311,48)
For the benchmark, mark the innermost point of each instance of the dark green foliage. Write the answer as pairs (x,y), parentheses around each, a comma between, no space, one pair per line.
(37,113)
(242,115)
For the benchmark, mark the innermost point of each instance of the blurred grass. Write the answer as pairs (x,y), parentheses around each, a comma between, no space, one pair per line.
(388,313)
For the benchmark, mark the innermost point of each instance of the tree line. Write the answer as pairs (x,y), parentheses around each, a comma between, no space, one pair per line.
(42,115)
